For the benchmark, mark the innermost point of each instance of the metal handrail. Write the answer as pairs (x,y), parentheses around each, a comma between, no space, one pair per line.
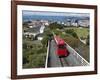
(83,61)
(46,63)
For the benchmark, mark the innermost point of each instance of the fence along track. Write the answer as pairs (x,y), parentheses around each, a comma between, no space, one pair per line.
(82,61)
(48,50)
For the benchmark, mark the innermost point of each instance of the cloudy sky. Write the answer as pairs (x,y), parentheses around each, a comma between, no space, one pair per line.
(44,13)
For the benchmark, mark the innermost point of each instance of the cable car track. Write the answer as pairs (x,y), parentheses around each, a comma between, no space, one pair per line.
(64,62)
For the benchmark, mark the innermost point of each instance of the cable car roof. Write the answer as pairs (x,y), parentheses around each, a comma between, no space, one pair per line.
(59,41)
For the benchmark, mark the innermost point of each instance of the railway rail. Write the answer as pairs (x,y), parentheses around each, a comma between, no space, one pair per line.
(64,62)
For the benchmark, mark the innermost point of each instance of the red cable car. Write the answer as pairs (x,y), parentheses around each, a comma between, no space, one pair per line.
(61,49)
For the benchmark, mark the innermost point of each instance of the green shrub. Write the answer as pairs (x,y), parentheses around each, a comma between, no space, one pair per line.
(71,32)
(55,26)
(88,40)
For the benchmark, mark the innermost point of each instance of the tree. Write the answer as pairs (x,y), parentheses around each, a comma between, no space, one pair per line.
(47,37)
(71,32)
(88,39)
(74,35)
(24,45)
(44,41)
(55,26)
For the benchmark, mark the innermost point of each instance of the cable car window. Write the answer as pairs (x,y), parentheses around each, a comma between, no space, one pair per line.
(62,46)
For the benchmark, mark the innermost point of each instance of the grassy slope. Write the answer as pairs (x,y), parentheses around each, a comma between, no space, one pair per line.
(81,32)
(35,54)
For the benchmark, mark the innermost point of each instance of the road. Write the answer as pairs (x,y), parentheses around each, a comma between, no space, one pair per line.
(55,61)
